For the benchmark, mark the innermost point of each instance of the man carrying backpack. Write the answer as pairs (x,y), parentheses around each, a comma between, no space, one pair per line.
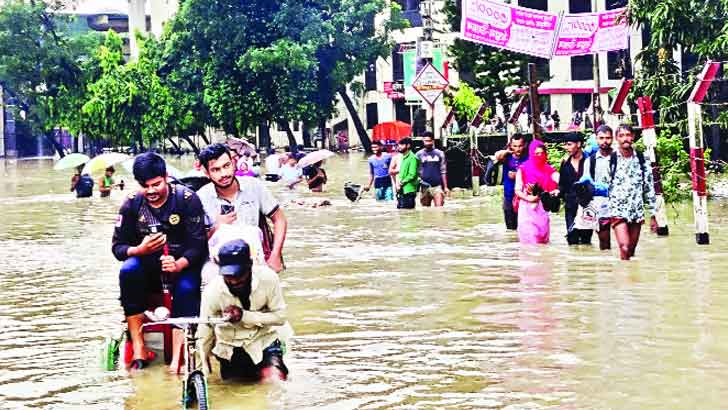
(630,189)
(82,184)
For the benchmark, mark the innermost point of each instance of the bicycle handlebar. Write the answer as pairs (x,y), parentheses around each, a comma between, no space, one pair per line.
(190,321)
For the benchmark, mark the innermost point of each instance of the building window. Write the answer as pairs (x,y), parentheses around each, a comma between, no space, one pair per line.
(543,69)
(615,4)
(296,126)
(580,6)
(580,102)
(582,68)
(402,111)
(615,64)
(397,65)
(544,102)
(370,77)
(534,4)
(411,11)
(372,115)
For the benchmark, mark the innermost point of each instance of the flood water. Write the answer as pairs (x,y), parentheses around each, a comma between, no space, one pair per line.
(431,309)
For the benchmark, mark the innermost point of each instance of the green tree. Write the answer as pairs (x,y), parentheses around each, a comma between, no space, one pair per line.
(491,72)
(273,61)
(41,65)
(128,104)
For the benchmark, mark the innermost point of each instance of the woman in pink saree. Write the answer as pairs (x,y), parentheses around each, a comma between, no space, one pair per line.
(534,176)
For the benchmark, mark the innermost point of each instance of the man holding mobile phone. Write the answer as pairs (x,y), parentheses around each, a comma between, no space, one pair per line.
(160,230)
(230,200)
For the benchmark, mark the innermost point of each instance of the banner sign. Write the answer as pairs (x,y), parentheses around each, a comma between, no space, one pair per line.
(510,27)
(542,33)
(591,33)
(394,90)
(413,66)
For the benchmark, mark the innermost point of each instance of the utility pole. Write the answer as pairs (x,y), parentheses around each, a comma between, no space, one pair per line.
(535,107)
(425,46)
(596,103)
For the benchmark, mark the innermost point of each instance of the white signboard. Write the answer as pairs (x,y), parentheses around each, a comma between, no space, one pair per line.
(430,83)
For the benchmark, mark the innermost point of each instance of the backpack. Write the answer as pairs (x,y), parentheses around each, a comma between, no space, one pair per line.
(613,164)
(84,186)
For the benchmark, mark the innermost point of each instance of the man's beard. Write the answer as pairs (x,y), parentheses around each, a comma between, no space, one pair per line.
(242,293)
(220,185)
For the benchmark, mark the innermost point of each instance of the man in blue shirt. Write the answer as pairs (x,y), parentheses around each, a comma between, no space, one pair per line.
(379,173)
(433,172)
(512,157)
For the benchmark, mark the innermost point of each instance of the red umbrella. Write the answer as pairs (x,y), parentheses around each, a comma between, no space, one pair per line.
(394,130)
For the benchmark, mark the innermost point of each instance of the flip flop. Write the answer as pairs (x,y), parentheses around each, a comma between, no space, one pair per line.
(137,364)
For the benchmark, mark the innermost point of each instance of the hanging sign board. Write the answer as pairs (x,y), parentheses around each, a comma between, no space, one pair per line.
(509,27)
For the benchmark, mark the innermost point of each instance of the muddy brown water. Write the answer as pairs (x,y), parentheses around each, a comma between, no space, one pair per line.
(431,309)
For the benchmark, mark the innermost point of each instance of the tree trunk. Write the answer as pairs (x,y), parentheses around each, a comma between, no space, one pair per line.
(363,136)
(55,144)
(264,133)
(289,133)
(175,145)
(324,137)
(306,136)
(192,144)
(204,138)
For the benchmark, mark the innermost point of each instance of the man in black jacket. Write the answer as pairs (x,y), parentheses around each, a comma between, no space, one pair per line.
(160,230)
(571,171)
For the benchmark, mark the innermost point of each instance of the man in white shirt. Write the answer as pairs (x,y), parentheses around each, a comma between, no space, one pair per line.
(231,200)
(272,165)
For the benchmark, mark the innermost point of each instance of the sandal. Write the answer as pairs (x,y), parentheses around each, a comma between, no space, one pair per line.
(138,364)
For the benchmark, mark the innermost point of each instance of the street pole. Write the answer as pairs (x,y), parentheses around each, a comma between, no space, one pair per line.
(533,96)
(697,151)
(697,165)
(596,103)
(427,29)
(649,137)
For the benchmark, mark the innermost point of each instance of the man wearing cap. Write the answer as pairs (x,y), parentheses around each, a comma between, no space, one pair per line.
(160,230)
(572,169)
(252,345)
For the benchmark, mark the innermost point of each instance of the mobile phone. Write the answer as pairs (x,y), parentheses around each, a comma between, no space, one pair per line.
(226,209)
(155,228)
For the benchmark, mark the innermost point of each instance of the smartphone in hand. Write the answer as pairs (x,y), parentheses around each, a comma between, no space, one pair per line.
(226,209)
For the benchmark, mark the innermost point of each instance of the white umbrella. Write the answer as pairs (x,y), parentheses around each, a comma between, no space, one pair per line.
(103,161)
(314,157)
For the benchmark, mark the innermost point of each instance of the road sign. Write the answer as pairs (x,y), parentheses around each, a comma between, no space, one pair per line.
(430,83)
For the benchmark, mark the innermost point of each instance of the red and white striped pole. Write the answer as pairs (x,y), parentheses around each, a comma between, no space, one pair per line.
(649,137)
(697,151)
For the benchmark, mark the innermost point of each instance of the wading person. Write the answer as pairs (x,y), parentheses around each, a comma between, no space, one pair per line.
(106,182)
(533,179)
(316,177)
(512,158)
(599,172)
(252,345)
(160,230)
(239,201)
(379,176)
(433,172)
(630,189)
(572,169)
(82,184)
(289,173)
(407,179)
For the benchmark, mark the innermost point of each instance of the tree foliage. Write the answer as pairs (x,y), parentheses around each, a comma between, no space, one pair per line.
(44,68)
(128,103)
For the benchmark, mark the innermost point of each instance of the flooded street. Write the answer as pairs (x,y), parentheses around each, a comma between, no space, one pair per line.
(431,309)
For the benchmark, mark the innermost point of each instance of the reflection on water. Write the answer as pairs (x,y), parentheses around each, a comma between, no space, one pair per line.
(416,310)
